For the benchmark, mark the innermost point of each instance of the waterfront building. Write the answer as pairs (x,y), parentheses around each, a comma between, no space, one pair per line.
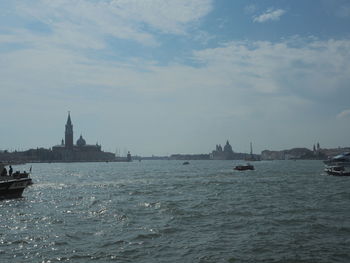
(222,154)
(69,134)
(227,153)
(128,157)
(81,151)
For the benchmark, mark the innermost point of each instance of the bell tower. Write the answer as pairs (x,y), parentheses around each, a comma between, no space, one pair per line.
(69,134)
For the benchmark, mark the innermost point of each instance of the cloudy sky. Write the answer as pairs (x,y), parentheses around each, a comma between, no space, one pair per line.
(175,76)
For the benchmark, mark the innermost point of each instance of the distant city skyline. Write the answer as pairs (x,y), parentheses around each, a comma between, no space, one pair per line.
(162,77)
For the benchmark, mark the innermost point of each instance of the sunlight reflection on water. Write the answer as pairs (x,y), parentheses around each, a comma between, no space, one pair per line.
(161,211)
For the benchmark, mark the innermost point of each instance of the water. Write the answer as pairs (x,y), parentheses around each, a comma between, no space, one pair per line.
(162,211)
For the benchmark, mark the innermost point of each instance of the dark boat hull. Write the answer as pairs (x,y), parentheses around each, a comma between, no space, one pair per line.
(13,188)
(244,167)
(338,173)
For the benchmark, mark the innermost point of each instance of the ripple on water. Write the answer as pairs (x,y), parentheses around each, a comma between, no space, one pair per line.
(165,212)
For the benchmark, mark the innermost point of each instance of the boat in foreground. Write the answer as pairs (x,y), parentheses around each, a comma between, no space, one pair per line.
(337,170)
(244,167)
(339,160)
(12,186)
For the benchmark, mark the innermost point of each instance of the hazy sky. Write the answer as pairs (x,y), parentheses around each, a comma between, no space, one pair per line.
(175,76)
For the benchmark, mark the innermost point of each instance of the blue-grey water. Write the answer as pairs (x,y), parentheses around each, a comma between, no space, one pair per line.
(163,211)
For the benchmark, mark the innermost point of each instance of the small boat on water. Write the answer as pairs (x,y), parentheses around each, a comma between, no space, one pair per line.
(244,167)
(339,160)
(12,186)
(185,163)
(337,170)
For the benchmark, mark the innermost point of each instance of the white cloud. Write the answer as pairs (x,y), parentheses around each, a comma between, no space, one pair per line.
(264,73)
(344,11)
(269,15)
(266,67)
(86,22)
(203,37)
(344,114)
(339,8)
(250,9)
(258,83)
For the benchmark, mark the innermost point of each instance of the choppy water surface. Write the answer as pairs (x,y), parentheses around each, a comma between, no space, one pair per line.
(162,211)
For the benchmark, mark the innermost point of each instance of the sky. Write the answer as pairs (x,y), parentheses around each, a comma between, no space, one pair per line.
(160,77)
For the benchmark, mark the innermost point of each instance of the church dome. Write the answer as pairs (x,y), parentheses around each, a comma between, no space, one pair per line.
(81,141)
(228,147)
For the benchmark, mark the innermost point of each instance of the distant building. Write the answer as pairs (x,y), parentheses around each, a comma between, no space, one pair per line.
(220,154)
(252,156)
(81,151)
(226,154)
(128,157)
(295,153)
(69,134)
(273,155)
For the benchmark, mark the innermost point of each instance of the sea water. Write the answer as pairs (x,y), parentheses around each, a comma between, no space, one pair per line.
(163,211)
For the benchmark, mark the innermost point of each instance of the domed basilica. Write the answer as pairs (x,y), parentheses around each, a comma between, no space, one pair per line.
(67,151)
